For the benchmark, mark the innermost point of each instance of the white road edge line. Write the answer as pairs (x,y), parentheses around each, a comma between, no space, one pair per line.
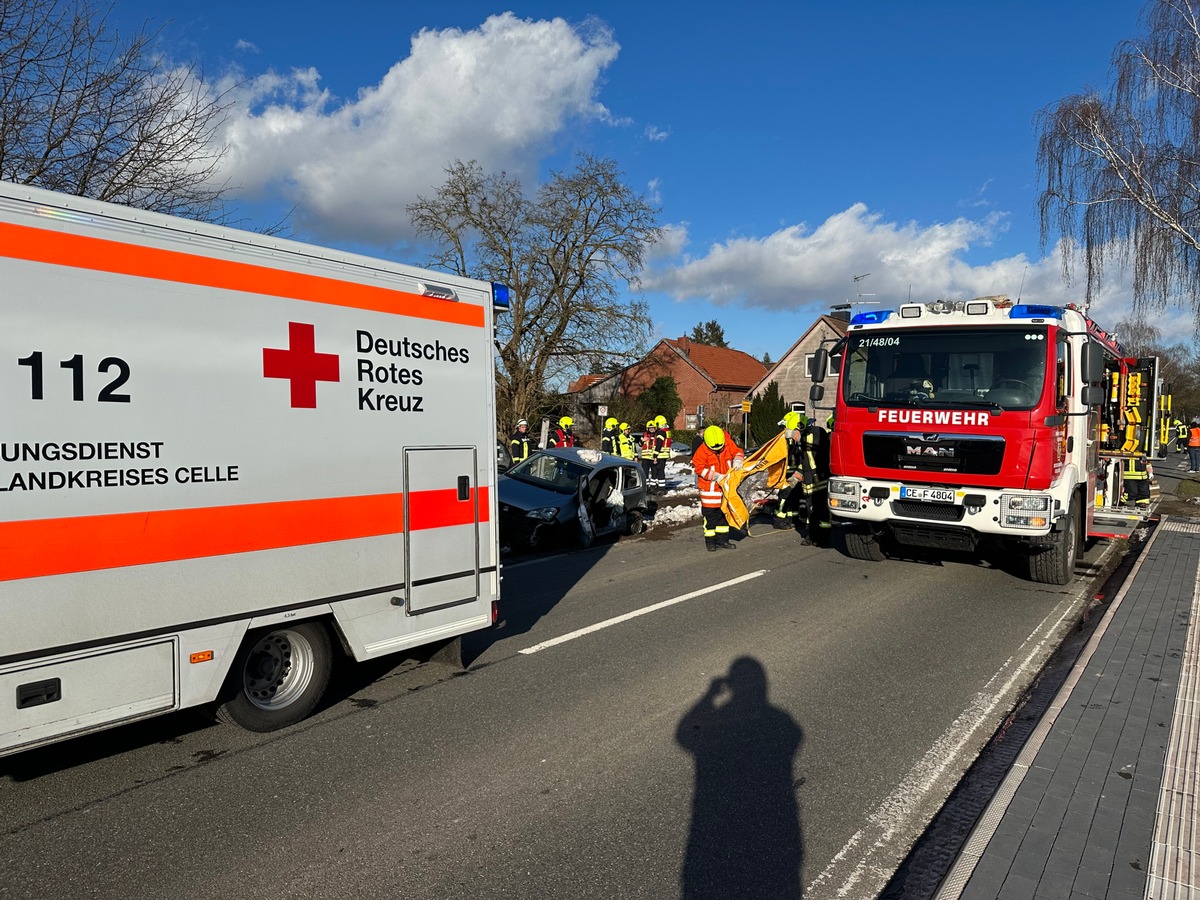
(562,639)
(876,865)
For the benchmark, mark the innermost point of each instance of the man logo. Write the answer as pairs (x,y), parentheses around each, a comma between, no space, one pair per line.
(911,450)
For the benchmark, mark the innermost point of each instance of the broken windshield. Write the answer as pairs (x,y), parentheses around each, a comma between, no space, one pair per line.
(960,367)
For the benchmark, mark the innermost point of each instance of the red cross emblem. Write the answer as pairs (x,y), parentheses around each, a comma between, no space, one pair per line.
(301,364)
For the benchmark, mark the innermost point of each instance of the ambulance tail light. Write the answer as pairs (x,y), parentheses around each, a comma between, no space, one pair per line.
(495,612)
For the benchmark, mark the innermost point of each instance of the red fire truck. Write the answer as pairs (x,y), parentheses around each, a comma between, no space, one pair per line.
(969,421)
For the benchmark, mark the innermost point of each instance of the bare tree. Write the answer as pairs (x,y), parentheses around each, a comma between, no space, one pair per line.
(1122,171)
(568,254)
(1177,363)
(86,112)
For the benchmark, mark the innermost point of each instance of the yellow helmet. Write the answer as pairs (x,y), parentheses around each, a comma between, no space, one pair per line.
(624,426)
(610,422)
(651,424)
(790,421)
(566,422)
(714,437)
(660,421)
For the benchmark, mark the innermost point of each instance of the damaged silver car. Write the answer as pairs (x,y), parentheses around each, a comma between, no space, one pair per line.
(569,496)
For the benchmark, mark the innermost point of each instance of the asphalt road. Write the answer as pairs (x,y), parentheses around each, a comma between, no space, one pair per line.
(608,764)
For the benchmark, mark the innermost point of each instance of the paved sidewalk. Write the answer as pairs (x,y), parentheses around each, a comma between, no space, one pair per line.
(1102,802)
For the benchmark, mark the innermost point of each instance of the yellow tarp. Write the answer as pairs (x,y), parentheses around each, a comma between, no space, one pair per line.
(771,458)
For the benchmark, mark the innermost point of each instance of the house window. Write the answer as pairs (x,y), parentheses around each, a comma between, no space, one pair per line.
(689,423)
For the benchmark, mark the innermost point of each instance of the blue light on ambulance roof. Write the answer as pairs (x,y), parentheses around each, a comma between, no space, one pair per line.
(874,317)
(1033,311)
(500,294)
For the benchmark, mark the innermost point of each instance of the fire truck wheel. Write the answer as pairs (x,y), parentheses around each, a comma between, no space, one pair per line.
(1056,565)
(278,677)
(863,543)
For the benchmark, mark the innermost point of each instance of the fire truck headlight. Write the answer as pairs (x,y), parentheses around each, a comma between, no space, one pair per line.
(843,495)
(1033,503)
(1025,511)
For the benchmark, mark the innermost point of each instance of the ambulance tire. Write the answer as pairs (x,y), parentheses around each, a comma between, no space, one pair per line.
(863,543)
(1056,565)
(633,522)
(278,677)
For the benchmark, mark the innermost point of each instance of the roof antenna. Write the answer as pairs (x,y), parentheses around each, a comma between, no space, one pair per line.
(1022,287)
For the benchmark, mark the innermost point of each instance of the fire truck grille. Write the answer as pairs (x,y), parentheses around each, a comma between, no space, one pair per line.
(951,453)
(915,509)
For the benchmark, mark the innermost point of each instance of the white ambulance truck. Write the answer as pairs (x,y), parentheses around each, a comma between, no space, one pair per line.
(222,455)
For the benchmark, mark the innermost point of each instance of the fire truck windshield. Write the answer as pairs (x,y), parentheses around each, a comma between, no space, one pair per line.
(963,367)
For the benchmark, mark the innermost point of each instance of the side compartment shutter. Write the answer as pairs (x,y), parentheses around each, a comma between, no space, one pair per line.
(441,525)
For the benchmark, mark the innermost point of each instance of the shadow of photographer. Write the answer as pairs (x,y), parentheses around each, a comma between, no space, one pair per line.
(745,840)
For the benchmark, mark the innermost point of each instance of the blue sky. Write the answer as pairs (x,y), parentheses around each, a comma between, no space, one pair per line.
(789,145)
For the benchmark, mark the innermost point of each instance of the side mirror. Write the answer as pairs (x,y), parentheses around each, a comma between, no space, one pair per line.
(816,393)
(1092,363)
(1092,396)
(820,365)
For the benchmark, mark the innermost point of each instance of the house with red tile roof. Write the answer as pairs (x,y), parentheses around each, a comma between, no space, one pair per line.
(710,380)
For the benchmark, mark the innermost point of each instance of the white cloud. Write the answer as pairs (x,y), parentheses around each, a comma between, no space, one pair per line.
(654,133)
(248,46)
(498,94)
(801,269)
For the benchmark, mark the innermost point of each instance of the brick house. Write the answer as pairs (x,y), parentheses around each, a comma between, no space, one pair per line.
(711,379)
(793,372)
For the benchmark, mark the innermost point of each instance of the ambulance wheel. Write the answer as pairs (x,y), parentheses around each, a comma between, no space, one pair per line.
(1056,565)
(863,543)
(633,522)
(277,677)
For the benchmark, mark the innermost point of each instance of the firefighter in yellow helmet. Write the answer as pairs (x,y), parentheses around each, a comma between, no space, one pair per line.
(647,454)
(608,437)
(662,451)
(625,446)
(562,435)
(791,497)
(714,459)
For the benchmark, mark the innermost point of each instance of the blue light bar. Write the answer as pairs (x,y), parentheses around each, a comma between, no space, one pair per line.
(874,317)
(500,294)
(1031,311)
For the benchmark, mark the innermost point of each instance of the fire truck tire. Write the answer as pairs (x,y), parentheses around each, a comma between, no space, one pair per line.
(278,677)
(862,543)
(1056,565)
